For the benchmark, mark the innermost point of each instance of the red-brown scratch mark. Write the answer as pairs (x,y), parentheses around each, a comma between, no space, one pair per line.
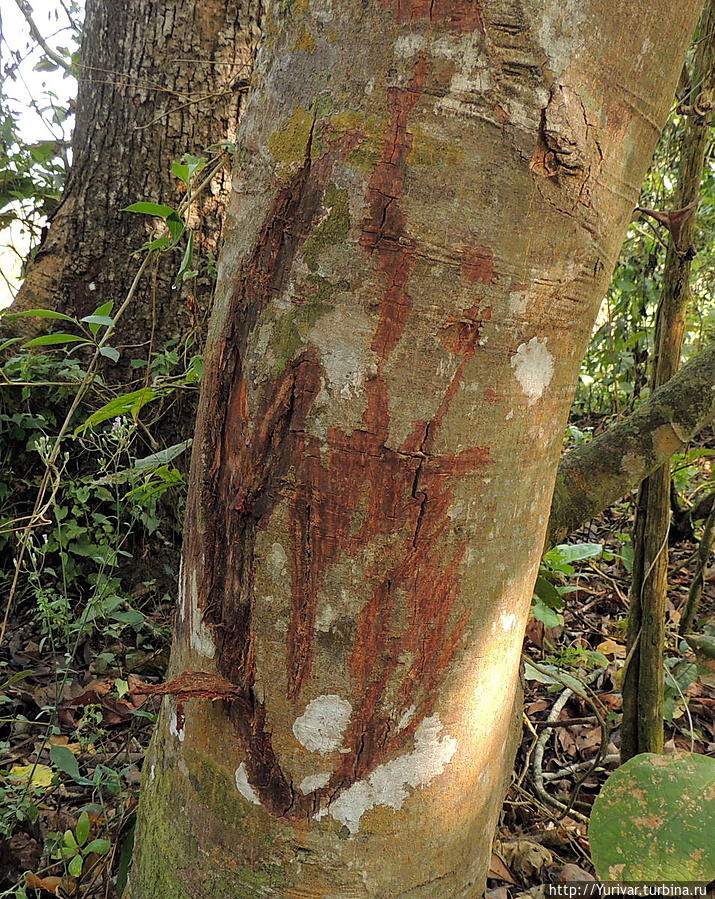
(456,15)
(344,493)
(478,265)
(383,231)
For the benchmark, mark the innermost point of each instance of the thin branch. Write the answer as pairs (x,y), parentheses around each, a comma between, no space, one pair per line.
(26,10)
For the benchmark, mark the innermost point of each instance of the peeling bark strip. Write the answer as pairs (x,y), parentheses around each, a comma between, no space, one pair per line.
(190,685)
(456,15)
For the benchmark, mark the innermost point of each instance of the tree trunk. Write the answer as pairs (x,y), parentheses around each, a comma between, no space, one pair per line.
(431,198)
(158,78)
(595,475)
(643,678)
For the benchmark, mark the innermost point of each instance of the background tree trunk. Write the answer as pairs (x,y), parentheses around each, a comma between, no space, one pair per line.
(431,199)
(158,78)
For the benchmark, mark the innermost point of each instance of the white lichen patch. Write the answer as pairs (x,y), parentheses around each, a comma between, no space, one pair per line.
(343,339)
(559,31)
(389,784)
(518,301)
(325,618)
(508,620)
(408,45)
(533,367)
(313,782)
(243,786)
(278,563)
(180,597)
(175,730)
(321,726)
(202,640)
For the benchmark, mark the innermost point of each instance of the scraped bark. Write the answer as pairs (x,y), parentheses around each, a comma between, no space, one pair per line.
(430,200)
(595,475)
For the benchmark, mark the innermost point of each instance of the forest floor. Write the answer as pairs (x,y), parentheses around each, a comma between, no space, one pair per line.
(90,760)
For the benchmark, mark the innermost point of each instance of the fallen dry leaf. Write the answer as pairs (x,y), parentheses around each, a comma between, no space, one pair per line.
(573,874)
(611,649)
(526,858)
(498,869)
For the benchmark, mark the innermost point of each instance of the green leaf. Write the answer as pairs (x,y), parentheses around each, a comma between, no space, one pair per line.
(548,593)
(189,164)
(548,617)
(45,65)
(69,840)
(104,309)
(550,674)
(163,457)
(160,243)
(679,675)
(180,171)
(132,618)
(99,321)
(74,869)
(110,353)
(126,404)
(81,830)
(566,553)
(65,760)
(704,648)
(654,820)
(54,340)
(43,151)
(42,313)
(185,266)
(155,209)
(125,859)
(176,226)
(100,847)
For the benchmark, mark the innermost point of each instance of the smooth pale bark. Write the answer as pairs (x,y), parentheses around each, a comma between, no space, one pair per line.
(430,201)
(643,679)
(157,79)
(595,475)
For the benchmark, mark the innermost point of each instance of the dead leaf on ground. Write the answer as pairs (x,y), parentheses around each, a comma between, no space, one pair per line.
(573,874)
(612,649)
(526,858)
(498,869)
(52,885)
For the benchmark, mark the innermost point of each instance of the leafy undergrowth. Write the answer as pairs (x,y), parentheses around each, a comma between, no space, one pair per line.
(574,661)
(73,734)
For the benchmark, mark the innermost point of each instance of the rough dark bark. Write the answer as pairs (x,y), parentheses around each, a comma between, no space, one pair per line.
(592,477)
(158,78)
(643,681)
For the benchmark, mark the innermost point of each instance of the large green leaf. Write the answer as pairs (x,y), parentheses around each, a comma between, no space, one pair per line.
(156,209)
(565,553)
(127,404)
(55,340)
(654,819)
